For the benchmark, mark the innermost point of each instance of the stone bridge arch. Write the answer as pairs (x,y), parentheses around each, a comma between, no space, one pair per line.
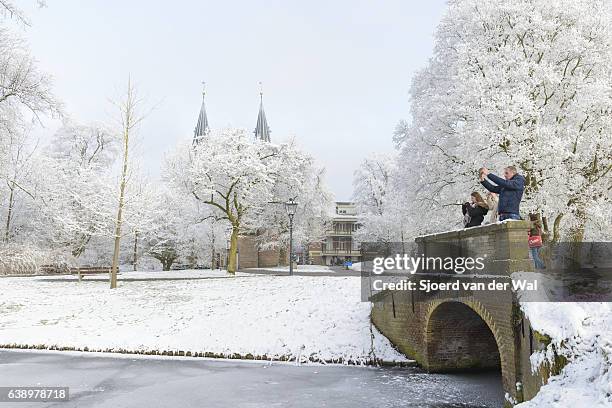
(461,336)
(467,329)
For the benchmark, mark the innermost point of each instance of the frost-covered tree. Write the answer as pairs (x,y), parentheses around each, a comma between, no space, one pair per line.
(140,214)
(75,199)
(163,240)
(18,183)
(525,83)
(25,96)
(383,213)
(8,9)
(25,91)
(183,230)
(312,213)
(55,200)
(239,178)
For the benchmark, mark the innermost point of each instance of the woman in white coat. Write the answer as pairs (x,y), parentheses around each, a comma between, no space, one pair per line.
(491,199)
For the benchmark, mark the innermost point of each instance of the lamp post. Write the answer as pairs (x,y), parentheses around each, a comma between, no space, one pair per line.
(227,252)
(291,207)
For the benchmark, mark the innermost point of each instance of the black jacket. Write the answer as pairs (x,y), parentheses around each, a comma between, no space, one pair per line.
(476,214)
(510,192)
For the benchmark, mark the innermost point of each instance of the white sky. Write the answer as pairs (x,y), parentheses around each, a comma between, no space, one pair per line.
(336,73)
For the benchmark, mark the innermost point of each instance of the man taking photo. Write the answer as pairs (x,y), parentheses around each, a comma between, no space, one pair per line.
(510,190)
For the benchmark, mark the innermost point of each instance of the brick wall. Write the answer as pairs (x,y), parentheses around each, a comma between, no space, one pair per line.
(249,256)
(269,258)
(247,252)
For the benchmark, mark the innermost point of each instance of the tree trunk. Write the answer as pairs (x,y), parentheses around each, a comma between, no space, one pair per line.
(576,237)
(9,214)
(135,250)
(576,234)
(118,220)
(232,261)
(129,120)
(212,244)
(557,228)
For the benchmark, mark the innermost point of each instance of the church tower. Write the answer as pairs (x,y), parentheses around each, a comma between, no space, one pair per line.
(262,130)
(202,127)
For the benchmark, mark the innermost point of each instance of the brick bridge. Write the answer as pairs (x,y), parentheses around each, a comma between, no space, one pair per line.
(468,330)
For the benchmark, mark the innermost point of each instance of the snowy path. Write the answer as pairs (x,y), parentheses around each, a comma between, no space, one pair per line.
(105,381)
(304,318)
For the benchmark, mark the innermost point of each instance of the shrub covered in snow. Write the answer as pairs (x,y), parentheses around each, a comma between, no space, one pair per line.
(28,260)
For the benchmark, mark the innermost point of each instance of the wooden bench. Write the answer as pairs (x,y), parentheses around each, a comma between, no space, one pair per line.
(90,270)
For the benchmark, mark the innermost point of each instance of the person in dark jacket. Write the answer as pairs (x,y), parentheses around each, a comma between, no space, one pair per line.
(475,210)
(510,190)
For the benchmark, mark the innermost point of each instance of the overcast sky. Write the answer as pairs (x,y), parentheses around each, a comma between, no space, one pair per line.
(335,73)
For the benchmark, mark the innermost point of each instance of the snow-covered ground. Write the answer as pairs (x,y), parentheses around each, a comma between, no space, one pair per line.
(582,332)
(302,318)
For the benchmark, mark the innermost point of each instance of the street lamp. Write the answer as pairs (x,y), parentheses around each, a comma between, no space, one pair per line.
(291,207)
(228,245)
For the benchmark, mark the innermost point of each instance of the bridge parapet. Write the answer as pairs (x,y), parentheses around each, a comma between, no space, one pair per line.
(503,245)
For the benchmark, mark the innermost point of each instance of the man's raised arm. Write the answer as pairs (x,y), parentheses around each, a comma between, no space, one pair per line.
(516,183)
(489,186)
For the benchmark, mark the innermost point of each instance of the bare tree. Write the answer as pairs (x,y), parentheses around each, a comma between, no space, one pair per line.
(130,118)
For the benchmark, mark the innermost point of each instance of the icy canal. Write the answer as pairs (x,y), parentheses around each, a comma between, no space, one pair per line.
(127,381)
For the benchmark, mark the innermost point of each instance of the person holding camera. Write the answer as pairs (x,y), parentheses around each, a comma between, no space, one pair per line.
(510,190)
(474,211)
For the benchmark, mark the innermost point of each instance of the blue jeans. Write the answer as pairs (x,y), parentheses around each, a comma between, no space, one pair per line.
(535,254)
(509,216)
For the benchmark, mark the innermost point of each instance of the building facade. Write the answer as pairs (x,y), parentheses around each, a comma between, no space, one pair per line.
(338,245)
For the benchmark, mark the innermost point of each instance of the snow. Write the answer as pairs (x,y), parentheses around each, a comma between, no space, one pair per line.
(300,269)
(582,332)
(298,318)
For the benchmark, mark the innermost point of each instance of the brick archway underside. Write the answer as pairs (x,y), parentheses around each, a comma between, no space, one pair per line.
(459,339)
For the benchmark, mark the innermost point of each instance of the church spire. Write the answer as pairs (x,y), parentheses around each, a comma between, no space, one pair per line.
(201,128)
(262,130)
